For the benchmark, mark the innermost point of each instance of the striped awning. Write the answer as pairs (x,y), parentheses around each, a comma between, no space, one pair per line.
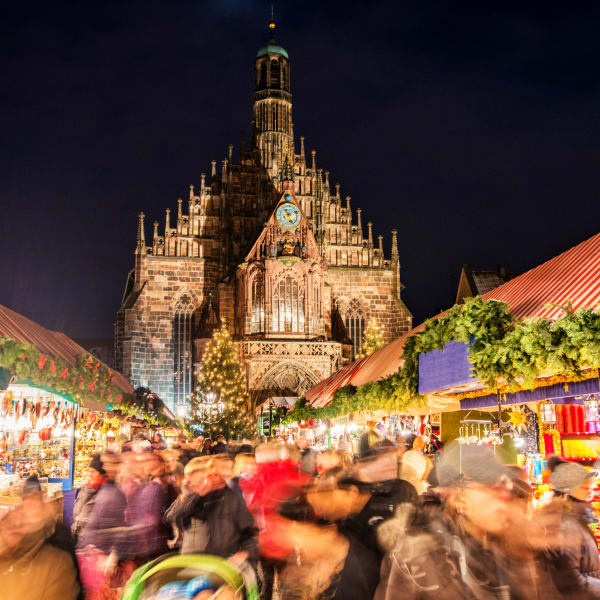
(55,344)
(573,276)
(320,395)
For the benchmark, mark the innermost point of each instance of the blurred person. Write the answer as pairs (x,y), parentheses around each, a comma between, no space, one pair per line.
(572,549)
(476,547)
(174,476)
(189,449)
(278,478)
(148,504)
(368,440)
(99,528)
(307,454)
(401,447)
(129,473)
(348,568)
(198,445)
(379,493)
(32,566)
(329,460)
(99,506)
(220,446)
(345,445)
(315,568)
(157,442)
(244,467)
(207,447)
(86,495)
(214,519)
(415,466)
(224,465)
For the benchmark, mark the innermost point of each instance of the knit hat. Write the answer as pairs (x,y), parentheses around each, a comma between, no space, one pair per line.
(567,477)
(96,464)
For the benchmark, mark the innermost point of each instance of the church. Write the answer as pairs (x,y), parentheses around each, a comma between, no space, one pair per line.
(269,247)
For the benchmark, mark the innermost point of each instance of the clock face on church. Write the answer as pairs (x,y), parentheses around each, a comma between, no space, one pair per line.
(288,216)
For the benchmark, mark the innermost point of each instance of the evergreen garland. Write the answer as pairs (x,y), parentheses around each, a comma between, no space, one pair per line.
(87,380)
(502,351)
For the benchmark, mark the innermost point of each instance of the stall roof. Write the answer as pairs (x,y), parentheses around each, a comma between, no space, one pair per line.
(54,343)
(573,276)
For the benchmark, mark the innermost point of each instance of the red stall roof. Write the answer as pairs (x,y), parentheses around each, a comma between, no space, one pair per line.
(573,276)
(56,344)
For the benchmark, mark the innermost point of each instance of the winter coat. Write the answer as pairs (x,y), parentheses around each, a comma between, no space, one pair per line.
(105,528)
(436,559)
(360,574)
(573,552)
(385,497)
(37,570)
(274,483)
(147,506)
(218,523)
(82,509)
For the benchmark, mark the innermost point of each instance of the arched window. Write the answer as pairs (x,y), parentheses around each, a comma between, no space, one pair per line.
(317,305)
(288,307)
(182,349)
(355,324)
(275,78)
(257,308)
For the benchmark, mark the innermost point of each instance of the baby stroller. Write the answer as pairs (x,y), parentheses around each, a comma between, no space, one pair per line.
(191,577)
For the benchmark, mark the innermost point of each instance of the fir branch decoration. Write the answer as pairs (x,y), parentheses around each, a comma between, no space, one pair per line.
(504,353)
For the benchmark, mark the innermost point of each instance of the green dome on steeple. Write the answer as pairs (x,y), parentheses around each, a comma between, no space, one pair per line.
(272,48)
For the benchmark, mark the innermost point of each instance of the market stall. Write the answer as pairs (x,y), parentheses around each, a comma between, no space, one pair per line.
(51,392)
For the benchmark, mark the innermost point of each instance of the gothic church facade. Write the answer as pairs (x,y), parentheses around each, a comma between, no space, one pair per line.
(268,246)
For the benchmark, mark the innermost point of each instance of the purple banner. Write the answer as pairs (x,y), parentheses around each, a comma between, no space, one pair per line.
(556,392)
(446,368)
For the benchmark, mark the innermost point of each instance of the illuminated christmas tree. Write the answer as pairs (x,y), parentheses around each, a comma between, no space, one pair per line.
(372,340)
(220,403)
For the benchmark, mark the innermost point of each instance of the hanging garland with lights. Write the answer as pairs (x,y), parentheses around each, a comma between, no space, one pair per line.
(220,402)
(506,354)
(87,380)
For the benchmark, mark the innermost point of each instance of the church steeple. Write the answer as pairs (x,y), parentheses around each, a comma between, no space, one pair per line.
(273,132)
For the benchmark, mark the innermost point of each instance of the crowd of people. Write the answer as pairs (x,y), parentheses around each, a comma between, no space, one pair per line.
(388,524)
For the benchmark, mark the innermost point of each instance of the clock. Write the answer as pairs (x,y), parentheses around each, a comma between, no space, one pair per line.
(288,216)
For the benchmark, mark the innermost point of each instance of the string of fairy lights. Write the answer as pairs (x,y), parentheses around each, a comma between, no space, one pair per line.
(220,402)
(372,339)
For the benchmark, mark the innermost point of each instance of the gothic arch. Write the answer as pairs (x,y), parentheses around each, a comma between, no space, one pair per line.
(287,377)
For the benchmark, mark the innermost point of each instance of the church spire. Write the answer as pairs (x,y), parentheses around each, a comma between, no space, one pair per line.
(396,288)
(272,123)
(141,234)
(272,25)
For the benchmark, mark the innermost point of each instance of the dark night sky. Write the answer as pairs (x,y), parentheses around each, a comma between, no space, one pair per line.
(471,127)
